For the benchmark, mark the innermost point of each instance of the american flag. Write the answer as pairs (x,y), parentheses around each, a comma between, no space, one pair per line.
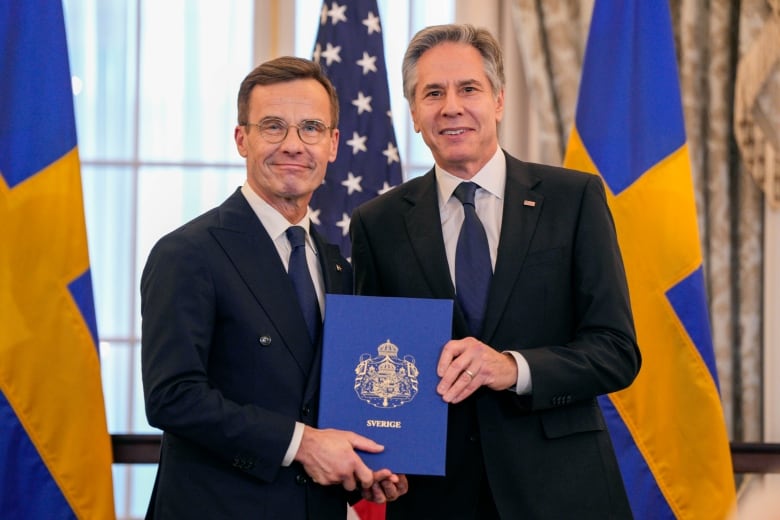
(349,47)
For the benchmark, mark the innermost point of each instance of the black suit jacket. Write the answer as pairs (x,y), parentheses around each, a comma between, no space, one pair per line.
(559,296)
(228,367)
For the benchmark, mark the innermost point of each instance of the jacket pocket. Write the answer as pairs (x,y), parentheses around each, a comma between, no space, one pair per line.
(576,418)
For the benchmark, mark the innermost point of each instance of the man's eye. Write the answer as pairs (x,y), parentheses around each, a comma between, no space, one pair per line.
(272,126)
(313,127)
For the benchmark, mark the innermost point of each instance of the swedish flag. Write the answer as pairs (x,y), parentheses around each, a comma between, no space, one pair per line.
(55,451)
(668,426)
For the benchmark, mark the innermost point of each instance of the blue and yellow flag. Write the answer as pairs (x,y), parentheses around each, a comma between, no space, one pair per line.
(668,427)
(55,450)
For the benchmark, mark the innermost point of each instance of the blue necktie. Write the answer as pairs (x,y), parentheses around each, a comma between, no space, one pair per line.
(473,270)
(298,270)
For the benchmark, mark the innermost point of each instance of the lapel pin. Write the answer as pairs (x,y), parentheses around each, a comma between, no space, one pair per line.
(529,203)
(339,268)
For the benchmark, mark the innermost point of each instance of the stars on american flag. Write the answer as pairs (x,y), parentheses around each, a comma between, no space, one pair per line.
(336,13)
(385,188)
(343,224)
(352,183)
(372,22)
(363,103)
(358,143)
(391,152)
(351,51)
(331,53)
(368,63)
(315,216)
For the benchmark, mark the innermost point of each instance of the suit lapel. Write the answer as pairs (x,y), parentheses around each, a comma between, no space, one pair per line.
(423,224)
(332,266)
(522,207)
(252,252)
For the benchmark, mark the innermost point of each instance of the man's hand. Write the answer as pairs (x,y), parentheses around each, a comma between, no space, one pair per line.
(466,364)
(329,457)
(386,488)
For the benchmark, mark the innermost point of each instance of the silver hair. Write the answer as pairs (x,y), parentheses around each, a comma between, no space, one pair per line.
(479,38)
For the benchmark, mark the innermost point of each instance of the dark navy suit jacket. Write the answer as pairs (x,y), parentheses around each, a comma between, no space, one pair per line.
(559,296)
(228,368)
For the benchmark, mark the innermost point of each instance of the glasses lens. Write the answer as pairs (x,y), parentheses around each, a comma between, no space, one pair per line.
(311,132)
(273,130)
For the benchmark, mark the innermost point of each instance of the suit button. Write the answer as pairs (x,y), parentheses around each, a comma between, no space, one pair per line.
(301,479)
(264,340)
(306,410)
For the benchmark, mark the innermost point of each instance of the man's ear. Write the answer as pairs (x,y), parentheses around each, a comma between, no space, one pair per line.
(239,135)
(500,106)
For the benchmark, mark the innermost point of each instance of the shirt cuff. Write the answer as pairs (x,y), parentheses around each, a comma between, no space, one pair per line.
(523,384)
(295,443)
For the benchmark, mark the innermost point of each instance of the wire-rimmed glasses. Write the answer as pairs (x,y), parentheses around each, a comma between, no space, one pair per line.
(274,130)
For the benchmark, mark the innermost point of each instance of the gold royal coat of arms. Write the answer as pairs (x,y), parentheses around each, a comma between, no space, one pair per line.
(386,381)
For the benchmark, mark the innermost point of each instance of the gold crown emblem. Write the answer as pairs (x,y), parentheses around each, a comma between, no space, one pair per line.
(386,381)
(387,349)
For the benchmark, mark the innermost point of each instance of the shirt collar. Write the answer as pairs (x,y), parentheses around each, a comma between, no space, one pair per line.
(491,178)
(273,221)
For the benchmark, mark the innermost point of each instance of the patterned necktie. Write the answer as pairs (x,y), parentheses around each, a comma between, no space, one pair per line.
(298,271)
(473,270)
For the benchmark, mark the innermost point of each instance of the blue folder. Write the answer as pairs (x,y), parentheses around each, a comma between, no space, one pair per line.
(379,358)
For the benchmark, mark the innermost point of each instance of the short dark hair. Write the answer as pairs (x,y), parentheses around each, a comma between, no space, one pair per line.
(281,70)
(479,38)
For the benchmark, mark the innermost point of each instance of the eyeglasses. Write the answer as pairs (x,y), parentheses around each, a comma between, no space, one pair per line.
(274,130)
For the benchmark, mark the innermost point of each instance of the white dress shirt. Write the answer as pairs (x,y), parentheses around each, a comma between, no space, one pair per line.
(489,203)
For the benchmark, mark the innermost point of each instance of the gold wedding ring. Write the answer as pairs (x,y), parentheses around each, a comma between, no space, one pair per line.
(469,373)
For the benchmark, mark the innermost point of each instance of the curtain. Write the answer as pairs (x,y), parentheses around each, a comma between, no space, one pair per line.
(712,38)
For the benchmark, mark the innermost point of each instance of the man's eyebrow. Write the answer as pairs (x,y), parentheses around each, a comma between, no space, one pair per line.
(468,82)
(431,86)
(459,83)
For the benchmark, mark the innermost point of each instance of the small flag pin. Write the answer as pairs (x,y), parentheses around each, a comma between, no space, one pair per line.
(529,203)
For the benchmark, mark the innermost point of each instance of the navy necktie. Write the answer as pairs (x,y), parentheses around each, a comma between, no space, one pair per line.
(473,270)
(298,270)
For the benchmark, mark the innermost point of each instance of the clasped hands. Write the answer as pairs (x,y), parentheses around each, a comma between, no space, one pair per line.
(329,457)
